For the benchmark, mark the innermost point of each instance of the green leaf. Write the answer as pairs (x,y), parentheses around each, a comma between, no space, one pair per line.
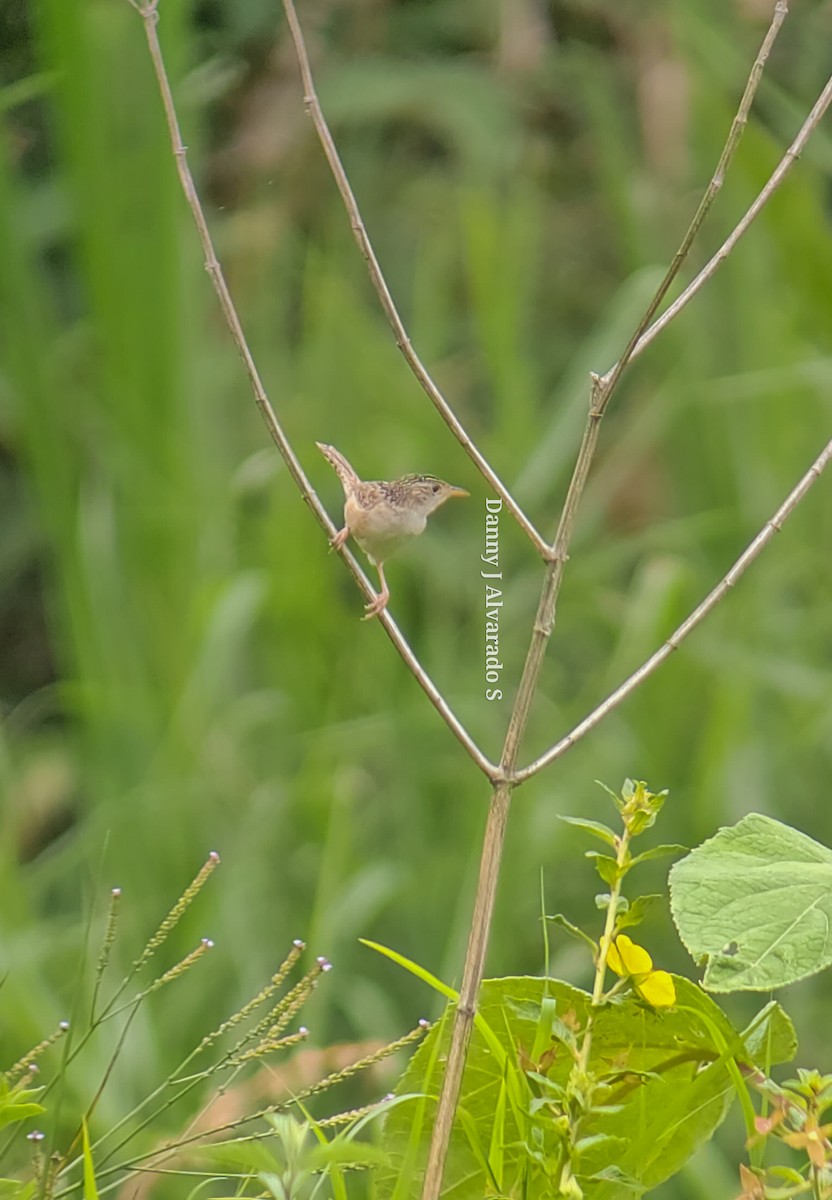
(17,1108)
(640,822)
(413,968)
(674,1088)
(659,852)
(90,1188)
(756,900)
(614,796)
(612,1174)
(606,867)
(563,1034)
(595,1140)
(543,1028)
(635,913)
(770,1039)
(573,930)
(789,1174)
(594,827)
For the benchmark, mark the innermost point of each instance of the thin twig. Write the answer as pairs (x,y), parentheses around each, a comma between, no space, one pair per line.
(544,623)
(710,194)
(150,17)
(688,625)
(313,107)
(778,175)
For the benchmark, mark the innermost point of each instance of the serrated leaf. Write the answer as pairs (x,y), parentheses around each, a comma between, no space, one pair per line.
(596,828)
(756,899)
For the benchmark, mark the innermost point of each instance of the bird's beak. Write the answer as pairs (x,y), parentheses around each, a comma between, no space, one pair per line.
(455,491)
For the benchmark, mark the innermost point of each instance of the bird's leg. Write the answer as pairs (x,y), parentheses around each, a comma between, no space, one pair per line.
(380,603)
(341,536)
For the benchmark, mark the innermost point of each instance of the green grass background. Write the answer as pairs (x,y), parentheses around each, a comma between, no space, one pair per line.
(182,667)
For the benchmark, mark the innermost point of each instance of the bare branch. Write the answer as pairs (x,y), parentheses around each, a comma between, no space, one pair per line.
(313,107)
(778,175)
(503,776)
(602,390)
(150,17)
(736,131)
(698,615)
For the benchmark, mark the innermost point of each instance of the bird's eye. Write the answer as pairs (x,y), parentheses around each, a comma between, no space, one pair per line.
(436,487)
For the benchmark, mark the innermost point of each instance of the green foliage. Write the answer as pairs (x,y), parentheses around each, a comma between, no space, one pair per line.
(575,1094)
(754,905)
(796,1119)
(182,664)
(296,1161)
(221,1062)
(660,1086)
(606,1095)
(17,1102)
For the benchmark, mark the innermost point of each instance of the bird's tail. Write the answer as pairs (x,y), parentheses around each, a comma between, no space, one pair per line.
(336,459)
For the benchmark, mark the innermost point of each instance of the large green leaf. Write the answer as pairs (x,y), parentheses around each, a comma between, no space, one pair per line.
(755,902)
(675,1088)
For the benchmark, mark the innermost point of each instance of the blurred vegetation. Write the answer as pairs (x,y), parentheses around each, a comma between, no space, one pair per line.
(181,665)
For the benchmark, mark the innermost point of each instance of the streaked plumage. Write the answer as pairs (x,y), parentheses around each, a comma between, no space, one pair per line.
(384,515)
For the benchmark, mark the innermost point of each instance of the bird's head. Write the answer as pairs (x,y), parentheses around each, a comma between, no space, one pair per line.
(426,493)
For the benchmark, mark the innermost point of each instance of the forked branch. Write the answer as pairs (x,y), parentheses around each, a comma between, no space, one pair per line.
(698,615)
(712,266)
(148,10)
(601,393)
(504,776)
(637,342)
(310,98)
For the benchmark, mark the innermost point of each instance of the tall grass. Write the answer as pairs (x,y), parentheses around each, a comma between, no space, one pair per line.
(214,688)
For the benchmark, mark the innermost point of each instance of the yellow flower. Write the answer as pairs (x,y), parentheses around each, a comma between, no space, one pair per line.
(627,959)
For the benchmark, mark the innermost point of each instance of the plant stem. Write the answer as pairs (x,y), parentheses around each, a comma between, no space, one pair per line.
(602,390)
(604,946)
(148,11)
(313,107)
(751,552)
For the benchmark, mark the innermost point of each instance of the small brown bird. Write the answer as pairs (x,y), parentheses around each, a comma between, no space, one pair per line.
(383,516)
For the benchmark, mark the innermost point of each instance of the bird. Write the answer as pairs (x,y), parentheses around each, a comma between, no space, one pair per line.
(384,515)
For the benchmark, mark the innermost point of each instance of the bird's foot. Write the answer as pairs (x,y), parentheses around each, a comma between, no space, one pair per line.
(341,536)
(376,606)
